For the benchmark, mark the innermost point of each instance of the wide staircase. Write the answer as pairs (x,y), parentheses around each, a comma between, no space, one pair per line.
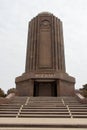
(53,107)
(42,108)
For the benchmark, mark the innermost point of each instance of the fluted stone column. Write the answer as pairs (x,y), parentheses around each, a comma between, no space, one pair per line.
(45,47)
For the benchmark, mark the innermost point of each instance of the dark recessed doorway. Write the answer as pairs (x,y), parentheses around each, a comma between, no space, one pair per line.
(45,89)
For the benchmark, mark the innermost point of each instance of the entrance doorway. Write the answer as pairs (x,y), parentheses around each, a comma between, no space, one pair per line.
(45,89)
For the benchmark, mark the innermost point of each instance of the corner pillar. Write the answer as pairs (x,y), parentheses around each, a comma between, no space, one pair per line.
(25,88)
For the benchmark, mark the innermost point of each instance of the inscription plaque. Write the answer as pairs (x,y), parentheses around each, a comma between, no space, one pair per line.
(45,75)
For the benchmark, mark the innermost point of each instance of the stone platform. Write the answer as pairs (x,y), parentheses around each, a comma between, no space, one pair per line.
(40,113)
(41,124)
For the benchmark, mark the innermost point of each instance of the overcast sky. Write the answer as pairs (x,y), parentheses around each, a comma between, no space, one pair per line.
(14,18)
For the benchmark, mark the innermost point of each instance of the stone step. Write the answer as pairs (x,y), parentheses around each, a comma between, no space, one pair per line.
(45,115)
(44,110)
(79,113)
(9,104)
(80,116)
(19,100)
(78,110)
(46,103)
(8,115)
(21,128)
(45,98)
(55,107)
(41,104)
(77,106)
(9,109)
(44,107)
(75,103)
(42,124)
(8,112)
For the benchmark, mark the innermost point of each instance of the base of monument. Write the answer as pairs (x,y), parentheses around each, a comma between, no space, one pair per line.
(59,84)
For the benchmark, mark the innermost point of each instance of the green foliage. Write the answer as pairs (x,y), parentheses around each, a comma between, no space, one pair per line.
(2,94)
(85,87)
(85,93)
(84,90)
(11,90)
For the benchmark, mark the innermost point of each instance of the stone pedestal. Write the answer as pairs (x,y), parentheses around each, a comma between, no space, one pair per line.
(64,84)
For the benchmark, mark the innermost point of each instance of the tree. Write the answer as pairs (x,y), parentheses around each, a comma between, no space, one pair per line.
(85,86)
(2,94)
(84,90)
(11,90)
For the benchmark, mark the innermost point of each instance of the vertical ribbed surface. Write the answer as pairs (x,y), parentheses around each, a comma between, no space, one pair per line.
(57,45)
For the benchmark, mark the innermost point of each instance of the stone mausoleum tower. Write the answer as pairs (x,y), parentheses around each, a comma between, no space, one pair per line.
(45,73)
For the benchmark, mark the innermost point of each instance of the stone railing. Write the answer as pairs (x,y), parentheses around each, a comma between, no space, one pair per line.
(7,99)
(11,95)
(81,98)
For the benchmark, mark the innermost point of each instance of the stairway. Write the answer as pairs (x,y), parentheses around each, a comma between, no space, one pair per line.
(44,107)
(50,113)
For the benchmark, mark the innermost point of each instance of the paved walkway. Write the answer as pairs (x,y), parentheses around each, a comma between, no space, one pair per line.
(44,122)
(42,129)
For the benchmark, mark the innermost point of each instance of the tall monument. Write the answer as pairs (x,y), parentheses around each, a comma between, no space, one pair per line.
(45,72)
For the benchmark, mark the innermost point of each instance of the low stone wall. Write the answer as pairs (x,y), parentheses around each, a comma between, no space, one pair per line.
(7,99)
(10,96)
(81,98)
